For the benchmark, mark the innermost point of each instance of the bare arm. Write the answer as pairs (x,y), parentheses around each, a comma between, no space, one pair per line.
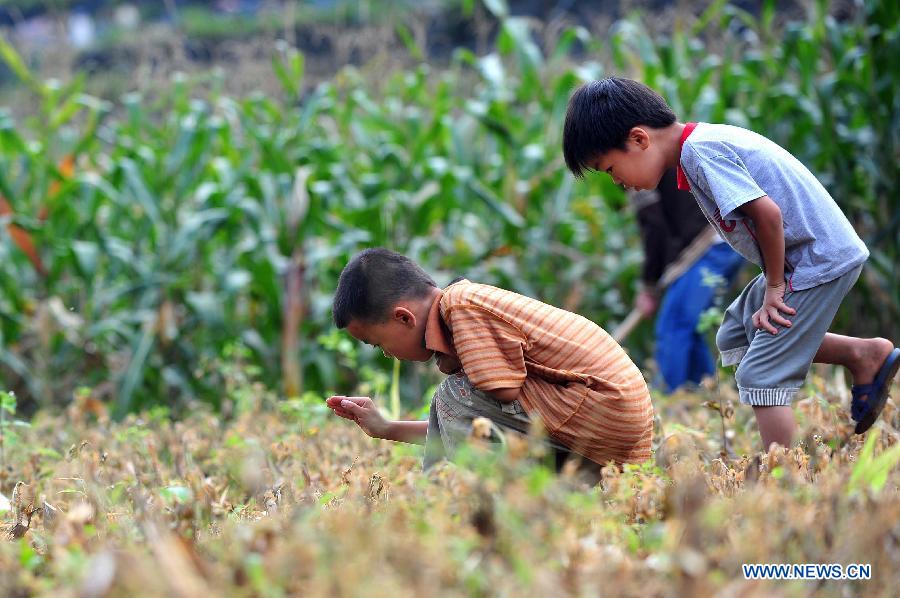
(412,431)
(365,414)
(766,216)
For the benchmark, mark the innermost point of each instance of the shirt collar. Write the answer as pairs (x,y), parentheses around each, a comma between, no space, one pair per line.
(683,183)
(437,335)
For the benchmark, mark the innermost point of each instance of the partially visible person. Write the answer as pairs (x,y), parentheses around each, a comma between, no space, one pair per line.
(686,265)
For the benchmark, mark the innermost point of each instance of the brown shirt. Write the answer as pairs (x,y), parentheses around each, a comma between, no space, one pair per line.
(569,371)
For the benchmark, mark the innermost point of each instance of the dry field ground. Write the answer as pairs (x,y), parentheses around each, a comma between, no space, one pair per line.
(285,501)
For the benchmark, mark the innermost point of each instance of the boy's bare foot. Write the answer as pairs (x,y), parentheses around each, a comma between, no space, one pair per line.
(868,358)
(871,392)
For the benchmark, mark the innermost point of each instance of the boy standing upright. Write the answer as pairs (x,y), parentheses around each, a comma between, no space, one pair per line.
(775,213)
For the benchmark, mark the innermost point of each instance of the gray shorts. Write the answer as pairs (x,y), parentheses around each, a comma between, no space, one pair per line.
(457,402)
(773,367)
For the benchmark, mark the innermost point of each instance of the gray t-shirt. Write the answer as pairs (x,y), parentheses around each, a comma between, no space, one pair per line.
(728,166)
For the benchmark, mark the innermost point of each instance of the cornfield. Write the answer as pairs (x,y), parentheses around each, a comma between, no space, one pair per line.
(164,233)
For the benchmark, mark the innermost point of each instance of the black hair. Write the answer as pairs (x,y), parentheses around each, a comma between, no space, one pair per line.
(373,281)
(600,115)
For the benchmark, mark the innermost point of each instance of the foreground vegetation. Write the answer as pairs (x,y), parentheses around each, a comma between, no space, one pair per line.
(278,500)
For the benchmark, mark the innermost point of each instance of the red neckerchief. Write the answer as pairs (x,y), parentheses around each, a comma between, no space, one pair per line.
(683,183)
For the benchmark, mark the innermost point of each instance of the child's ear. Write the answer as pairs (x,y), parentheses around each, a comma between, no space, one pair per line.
(640,137)
(404,316)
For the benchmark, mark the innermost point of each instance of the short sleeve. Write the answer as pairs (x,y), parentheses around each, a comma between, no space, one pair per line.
(490,349)
(727,181)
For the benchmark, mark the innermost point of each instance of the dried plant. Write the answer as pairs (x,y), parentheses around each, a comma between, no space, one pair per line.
(271,504)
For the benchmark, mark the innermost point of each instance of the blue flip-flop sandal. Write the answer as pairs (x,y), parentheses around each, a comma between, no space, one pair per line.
(866,412)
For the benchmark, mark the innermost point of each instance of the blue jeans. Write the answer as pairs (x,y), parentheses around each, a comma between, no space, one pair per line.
(682,354)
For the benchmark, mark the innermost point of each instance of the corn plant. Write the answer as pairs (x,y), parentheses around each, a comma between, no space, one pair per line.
(172,229)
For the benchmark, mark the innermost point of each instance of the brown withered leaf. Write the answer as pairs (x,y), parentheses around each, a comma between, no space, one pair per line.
(776,457)
(728,411)
(272,498)
(23,503)
(376,487)
(16,531)
(23,507)
(481,428)
(751,472)
(345,474)
(49,515)
(76,449)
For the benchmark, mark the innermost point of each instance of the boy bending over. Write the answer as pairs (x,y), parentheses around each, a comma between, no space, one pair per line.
(775,213)
(508,357)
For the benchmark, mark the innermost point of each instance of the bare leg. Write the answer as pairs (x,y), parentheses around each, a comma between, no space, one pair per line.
(776,425)
(862,356)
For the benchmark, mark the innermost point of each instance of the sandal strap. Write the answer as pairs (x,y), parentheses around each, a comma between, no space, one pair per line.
(858,408)
(875,391)
(863,389)
(882,375)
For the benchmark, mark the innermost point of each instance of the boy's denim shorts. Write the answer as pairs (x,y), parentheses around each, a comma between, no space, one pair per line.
(457,402)
(771,368)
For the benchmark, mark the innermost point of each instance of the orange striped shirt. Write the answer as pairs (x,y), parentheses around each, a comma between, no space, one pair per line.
(569,371)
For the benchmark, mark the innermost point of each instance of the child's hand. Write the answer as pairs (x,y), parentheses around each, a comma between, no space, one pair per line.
(771,309)
(362,411)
